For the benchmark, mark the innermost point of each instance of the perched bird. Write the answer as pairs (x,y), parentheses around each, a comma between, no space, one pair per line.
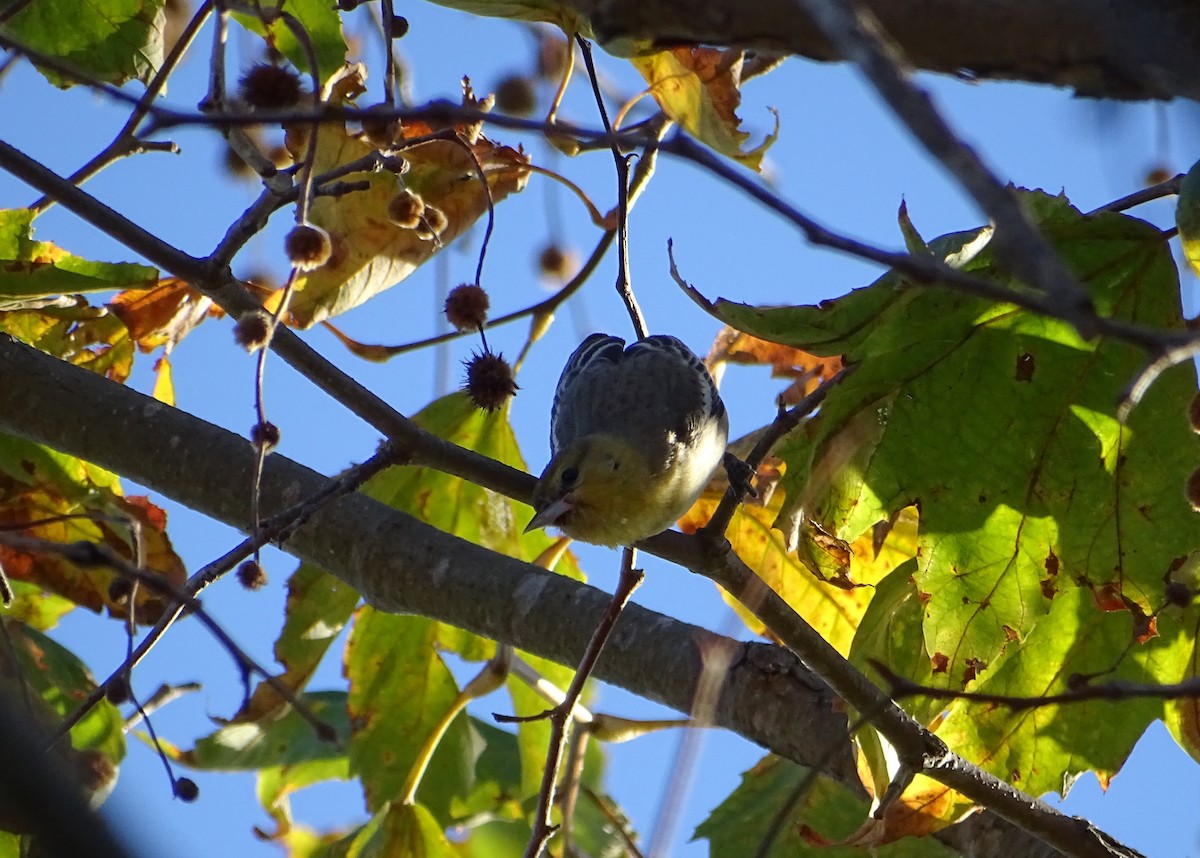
(635,435)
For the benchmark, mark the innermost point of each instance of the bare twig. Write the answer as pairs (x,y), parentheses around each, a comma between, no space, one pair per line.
(126,141)
(624,283)
(853,28)
(277,529)
(560,716)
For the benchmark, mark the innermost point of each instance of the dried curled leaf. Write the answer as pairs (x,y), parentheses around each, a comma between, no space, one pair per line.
(699,89)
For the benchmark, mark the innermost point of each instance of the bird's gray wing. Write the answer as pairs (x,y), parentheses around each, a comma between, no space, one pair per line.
(572,412)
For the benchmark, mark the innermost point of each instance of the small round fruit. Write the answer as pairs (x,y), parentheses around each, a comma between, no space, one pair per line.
(405,209)
(490,381)
(308,247)
(467,306)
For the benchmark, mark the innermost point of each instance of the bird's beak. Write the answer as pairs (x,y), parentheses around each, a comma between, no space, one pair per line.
(549,515)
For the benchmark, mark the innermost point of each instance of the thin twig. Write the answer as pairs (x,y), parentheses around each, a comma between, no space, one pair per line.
(560,716)
(1163,189)
(624,284)
(853,28)
(126,142)
(277,529)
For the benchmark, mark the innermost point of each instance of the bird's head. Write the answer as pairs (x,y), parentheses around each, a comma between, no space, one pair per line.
(592,491)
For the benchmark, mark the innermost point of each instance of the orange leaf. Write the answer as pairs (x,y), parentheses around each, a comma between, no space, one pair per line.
(163,314)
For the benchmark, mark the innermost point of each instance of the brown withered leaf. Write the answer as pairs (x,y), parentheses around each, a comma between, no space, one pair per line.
(38,484)
(805,370)
(163,314)
(699,88)
(371,254)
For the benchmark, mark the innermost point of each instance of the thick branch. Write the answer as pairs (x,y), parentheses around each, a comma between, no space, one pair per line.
(1105,48)
(404,566)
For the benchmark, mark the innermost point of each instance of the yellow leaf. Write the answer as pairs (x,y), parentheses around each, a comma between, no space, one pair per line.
(833,607)
(698,88)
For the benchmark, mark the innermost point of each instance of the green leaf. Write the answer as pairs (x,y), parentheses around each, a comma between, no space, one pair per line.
(34,607)
(408,830)
(323,24)
(318,608)
(107,40)
(287,741)
(1187,216)
(58,678)
(1047,528)
(826,813)
(38,269)
(399,689)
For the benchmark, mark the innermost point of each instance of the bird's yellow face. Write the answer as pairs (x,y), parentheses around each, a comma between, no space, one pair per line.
(594,491)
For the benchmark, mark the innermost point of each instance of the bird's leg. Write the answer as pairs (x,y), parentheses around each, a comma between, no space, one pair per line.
(741,476)
(560,716)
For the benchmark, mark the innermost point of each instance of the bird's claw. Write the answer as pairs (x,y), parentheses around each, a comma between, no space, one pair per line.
(741,476)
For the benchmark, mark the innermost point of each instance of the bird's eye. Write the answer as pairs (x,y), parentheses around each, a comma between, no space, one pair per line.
(569,476)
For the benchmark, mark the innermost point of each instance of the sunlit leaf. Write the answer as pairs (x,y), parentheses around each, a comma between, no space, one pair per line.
(399,688)
(31,269)
(36,608)
(318,608)
(38,484)
(699,88)
(107,40)
(1048,530)
(162,314)
(408,830)
(833,607)
(824,816)
(1187,216)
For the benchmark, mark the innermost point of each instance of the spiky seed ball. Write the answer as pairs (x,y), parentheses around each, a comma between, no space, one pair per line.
(250,331)
(251,575)
(490,381)
(95,770)
(1191,489)
(515,95)
(553,51)
(186,790)
(399,27)
(467,306)
(264,435)
(308,247)
(270,87)
(405,209)
(1158,174)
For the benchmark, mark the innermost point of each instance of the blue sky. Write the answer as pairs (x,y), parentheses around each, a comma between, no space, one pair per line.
(841,158)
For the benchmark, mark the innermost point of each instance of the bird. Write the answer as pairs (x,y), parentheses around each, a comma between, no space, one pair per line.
(635,435)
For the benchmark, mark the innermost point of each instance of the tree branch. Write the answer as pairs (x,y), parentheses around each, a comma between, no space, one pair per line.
(405,566)
(1130,49)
